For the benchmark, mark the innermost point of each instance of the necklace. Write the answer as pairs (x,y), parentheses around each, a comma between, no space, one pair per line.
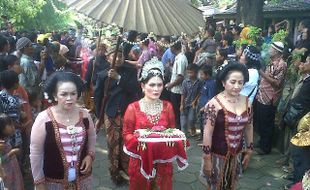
(152,110)
(233,101)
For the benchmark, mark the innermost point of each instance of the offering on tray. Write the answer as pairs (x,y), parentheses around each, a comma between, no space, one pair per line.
(159,134)
(158,145)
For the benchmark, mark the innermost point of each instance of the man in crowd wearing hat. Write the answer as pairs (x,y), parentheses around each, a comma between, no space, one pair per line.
(30,78)
(121,90)
(269,92)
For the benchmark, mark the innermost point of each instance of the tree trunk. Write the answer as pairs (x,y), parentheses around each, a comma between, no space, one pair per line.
(250,12)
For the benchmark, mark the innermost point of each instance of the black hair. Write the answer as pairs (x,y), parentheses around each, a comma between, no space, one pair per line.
(306,23)
(151,75)
(32,36)
(211,32)
(193,43)
(12,43)
(218,37)
(33,96)
(2,64)
(252,63)
(132,35)
(177,46)
(207,70)
(5,120)
(224,72)
(63,76)
(167,38)
(56,37)
(8,79)
(273,28)
(229,38)
(9,60)
(193,67)
(237,28)
(223,52)
(190,56)
(144,36)
(228,27)
(4,41)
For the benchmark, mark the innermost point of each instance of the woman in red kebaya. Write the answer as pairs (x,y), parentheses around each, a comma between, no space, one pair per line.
(146,113)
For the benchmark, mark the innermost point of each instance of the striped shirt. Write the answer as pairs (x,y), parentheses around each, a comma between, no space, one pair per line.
(69,141)
(268,94)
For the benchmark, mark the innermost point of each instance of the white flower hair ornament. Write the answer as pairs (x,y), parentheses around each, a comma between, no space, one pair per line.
(153,66)
(220,68)
(46,97)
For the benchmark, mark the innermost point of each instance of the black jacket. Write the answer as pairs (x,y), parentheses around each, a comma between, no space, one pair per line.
(303,96)
(101,65)
(120,94)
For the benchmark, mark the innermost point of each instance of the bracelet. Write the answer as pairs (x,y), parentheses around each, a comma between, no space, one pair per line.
(206,149)
(92,155)
(251,146)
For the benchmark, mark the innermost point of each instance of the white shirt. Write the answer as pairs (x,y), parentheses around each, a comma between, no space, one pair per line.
(251,84)
(179,68)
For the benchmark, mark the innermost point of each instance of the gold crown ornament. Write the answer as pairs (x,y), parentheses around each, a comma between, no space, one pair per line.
(153,66)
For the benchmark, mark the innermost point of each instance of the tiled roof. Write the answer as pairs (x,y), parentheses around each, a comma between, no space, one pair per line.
(289,5)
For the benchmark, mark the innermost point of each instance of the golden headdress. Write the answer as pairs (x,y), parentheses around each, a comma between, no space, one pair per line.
(302,138)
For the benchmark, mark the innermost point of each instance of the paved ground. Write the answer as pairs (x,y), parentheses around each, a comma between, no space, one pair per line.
(262,174)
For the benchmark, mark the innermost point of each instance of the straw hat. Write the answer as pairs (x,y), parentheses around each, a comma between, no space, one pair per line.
(302,138)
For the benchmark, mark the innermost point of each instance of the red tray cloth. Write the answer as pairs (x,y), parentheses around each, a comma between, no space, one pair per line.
(151,153)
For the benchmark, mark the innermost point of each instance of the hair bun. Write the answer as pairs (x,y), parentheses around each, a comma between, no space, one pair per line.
(224,69)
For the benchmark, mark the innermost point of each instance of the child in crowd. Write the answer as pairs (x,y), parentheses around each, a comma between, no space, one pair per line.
(12,179)
(35,103)
(189,98)
(12,104)
(221,57)
(206,93)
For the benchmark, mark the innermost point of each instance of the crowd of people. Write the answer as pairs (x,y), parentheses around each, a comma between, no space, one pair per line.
(220,87)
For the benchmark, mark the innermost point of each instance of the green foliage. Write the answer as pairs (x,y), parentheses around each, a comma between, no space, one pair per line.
(251,37)
(265,54)
(48,19)
(18,11)
(280,36)
(36,14)
(292,73)
(218,3)
(254,33)
(196,3)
